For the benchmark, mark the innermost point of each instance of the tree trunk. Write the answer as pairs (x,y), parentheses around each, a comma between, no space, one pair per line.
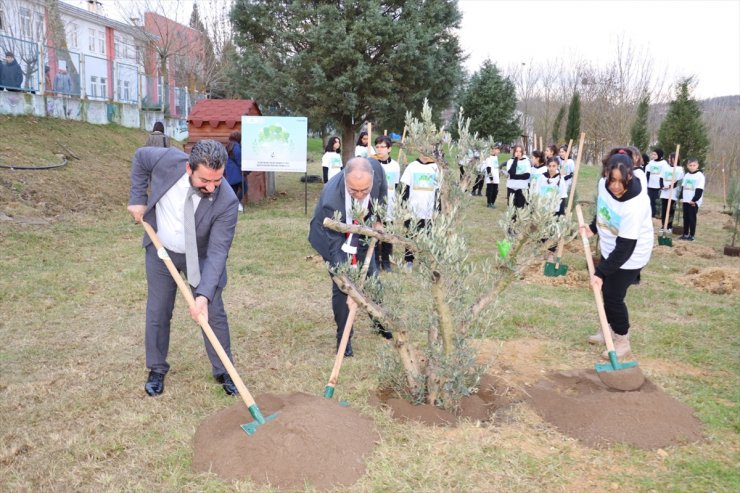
(348,140)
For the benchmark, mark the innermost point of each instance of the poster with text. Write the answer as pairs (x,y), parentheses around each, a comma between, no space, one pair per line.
(274,143)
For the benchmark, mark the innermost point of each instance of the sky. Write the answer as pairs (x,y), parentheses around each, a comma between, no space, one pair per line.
(682,38)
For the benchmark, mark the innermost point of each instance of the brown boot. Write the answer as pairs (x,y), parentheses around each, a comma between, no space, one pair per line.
(621,347)
(597,338)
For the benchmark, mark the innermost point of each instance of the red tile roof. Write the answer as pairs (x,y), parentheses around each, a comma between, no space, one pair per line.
(216,111)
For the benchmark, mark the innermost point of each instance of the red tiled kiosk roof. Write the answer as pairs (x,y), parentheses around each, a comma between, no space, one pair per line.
(217,111)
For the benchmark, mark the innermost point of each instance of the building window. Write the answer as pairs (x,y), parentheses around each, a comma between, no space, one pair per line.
(73,35)
(93,86)
(103,87)
(124,90)
(91,40)
(101,42)
(26,22)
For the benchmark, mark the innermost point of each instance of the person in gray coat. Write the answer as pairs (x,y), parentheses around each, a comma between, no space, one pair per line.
(359,183)
(173,177)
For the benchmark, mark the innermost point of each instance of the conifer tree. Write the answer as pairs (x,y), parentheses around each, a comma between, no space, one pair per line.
(639,136)
(573,127)
(348,61)
(683,125)
(490,102)
(557,125)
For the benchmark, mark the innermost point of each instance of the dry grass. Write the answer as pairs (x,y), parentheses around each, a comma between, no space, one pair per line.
(72,292)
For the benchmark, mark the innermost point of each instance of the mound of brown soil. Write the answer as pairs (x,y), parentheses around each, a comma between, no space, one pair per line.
(312,440)
(715,280)
(690,249)
(575,277)
(580,406)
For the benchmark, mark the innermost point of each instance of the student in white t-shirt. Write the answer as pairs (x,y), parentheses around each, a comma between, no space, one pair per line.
(669,186)
(518,171)
(331,161)
(625,230)
(420,182)
(362,148)
(491,176)
(653,170)
(392,170)
(693,196)
(539,166)
(567,166)
(551,184)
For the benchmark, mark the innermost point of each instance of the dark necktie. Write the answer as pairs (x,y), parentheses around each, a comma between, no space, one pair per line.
(191,244)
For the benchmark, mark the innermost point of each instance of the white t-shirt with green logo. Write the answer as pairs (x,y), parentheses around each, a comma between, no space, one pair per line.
(423,183)
(392,176)
(667,174)
(691,183)
(333,162)
(630,219)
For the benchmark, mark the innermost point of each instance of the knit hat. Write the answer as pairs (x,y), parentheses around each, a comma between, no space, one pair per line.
(10,54)
(659,152)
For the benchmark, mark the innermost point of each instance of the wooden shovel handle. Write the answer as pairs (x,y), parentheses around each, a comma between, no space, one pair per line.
(188,295)
(561,243)
(670,190)
(350,318)
(597,294)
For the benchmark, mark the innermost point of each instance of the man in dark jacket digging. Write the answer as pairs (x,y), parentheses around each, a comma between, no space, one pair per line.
(195,218)
(360,183)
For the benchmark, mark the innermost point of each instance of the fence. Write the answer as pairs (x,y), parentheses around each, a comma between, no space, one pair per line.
(69,73)
(22,74)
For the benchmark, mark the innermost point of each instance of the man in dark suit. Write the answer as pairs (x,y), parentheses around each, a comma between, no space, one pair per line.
(358,184)
(175,178)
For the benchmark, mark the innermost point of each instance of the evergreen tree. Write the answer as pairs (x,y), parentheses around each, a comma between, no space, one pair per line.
(683,125)
(639,136)
(209,62)
(573,127)
(557,125)
(348,61)
(490,103)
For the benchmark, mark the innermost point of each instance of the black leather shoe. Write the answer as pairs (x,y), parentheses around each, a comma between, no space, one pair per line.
(386,334)
(154,384)
(348,353)
(228,384)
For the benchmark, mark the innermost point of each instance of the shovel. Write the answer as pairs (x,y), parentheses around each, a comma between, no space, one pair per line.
(557,269)
(250,428)
(663,239)
(620,376)
(329,389)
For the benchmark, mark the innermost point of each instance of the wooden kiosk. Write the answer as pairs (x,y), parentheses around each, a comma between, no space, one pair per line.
(216,119)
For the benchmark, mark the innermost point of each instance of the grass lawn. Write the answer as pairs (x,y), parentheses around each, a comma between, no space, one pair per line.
(73,293)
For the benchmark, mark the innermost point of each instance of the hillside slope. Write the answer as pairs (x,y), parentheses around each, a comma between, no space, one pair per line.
(96,183)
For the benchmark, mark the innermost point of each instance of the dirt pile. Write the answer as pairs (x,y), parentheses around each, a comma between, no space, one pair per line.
(575,277)
(312,440)
(715,280)
(690,249)
(580,406)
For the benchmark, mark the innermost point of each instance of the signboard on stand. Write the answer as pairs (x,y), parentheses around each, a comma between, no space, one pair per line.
(274,143)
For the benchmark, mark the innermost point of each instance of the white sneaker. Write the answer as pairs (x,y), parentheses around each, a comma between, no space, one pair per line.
(621,347)
(660,230)
(240,208)
(669,230)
